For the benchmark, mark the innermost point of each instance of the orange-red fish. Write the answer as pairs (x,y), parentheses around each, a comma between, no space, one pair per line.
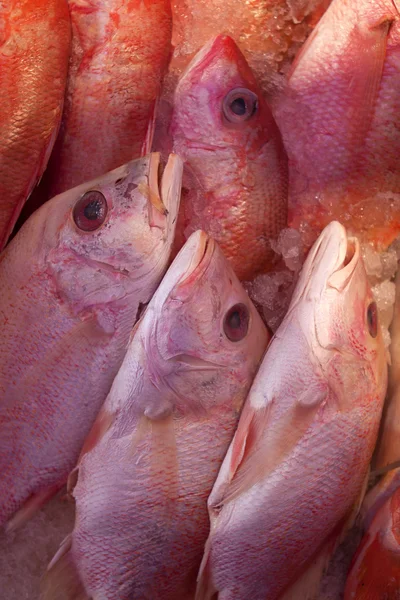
(339,118)
(72,283)
(155,450)
(35,43)
(235,187)
(120,50)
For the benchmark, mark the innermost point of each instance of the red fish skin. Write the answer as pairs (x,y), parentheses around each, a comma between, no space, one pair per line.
(375,571)
(236,173)
(69,301)
(338,116)
(35,43)
(115,73)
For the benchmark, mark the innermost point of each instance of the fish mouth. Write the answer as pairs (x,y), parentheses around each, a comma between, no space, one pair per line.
(330,263)
(197,253)
(163,191)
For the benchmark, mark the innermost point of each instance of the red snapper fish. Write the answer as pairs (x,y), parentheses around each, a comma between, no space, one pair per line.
(339,119)
(73,281)
(300,455)
(154,452)
(120,51)
(235,187)
(35,43)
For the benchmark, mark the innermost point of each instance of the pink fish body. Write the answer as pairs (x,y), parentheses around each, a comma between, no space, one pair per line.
(116,69)
(236,167)
(72,282)
(339,118)
(155,450)
(300,455)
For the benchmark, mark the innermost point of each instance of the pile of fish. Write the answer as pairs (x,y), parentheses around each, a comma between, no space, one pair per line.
(194,344)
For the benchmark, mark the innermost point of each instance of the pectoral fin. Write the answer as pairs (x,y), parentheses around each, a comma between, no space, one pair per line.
(260,445)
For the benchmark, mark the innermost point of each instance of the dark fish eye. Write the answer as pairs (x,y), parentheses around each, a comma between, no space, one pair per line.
(372,319)
(239,105)
(90,211)
(236,322)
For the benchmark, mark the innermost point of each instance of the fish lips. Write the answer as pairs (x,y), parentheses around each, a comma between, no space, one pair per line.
(331,262)
(191,264)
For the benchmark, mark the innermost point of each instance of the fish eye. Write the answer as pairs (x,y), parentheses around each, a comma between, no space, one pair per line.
(90,211)
(372,319)
(236,322)
(240,105)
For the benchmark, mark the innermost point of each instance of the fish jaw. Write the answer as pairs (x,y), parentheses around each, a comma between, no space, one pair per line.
(375,570)
(236,170)
(300,412)
(133,243)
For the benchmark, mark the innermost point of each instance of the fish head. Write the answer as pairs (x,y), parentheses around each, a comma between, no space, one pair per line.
(207,338)
(340,318)
(218,103)
(111,236)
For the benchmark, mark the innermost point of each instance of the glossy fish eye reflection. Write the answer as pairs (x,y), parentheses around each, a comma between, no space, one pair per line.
(90,211)
(372,319)
(236,322)
(240,105)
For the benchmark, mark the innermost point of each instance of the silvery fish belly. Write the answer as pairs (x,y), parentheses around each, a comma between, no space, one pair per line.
(152,457)
(72,282)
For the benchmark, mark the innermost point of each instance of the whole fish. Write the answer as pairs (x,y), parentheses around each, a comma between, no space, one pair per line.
(300,455)
(339,117)
(375,572)
(73,281)
(154,453)
(236,183)
(35,43)
(116,69)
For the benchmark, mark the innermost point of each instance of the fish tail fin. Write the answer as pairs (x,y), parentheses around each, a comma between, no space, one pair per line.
(62,581)
(205,587)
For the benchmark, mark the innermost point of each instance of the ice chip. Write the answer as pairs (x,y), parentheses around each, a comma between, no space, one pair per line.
(290,247)
(271,293)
